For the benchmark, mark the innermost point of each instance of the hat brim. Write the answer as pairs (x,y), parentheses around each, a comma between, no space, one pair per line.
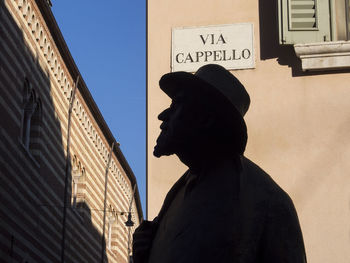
(175,82)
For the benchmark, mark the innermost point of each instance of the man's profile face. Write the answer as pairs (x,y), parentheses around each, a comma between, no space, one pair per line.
(179,125)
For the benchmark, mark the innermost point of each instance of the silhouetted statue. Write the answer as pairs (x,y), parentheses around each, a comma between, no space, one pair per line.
(224,208)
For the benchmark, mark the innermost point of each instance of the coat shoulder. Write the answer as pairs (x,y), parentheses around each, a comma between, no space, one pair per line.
(259,181)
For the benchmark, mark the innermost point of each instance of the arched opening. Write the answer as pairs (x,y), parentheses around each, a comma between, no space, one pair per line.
(31,120)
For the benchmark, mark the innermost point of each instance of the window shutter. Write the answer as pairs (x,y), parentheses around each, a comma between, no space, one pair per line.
(304,21)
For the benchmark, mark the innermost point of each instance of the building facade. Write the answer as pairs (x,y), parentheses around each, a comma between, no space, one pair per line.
(66,188)
(298,81)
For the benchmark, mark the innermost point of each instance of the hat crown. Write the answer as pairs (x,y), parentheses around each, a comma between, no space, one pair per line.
(226,83)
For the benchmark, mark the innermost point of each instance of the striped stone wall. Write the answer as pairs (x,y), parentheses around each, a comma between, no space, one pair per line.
(33,73)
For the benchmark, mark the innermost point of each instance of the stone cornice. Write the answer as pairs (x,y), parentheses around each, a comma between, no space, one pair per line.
(324,56)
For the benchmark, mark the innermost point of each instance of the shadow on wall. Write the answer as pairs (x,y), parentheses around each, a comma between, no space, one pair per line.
(269,42)
(32,159)
(83,212)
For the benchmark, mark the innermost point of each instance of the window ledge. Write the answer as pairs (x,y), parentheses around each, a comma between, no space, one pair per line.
(324,56)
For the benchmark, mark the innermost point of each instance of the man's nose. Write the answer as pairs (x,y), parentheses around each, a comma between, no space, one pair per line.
(164,115)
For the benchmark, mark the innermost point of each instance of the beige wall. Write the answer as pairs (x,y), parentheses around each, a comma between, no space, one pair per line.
(298,124)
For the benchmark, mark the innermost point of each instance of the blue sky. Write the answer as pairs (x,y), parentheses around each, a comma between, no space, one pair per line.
(107,40)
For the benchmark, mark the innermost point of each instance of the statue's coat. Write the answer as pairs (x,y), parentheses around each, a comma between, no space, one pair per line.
(234,216)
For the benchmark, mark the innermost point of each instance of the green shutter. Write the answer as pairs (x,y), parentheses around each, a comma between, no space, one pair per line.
(302,15)
(303,21)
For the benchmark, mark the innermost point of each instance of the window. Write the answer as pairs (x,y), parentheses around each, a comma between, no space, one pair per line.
(304,21)
(78,182)
(341,20)
(31,120)
(313,21)
(111,220)
(75,177)
(319,31)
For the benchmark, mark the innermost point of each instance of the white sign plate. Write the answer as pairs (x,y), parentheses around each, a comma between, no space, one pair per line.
(230,46)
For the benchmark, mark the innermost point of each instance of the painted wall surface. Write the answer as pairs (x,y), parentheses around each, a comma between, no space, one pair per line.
(298,123)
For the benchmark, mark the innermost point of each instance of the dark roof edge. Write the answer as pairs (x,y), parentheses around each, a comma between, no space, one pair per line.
(74,71)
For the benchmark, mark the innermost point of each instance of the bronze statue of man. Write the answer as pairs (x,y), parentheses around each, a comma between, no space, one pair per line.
(224,208)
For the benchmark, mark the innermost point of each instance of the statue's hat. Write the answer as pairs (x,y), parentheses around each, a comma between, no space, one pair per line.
(221,89)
